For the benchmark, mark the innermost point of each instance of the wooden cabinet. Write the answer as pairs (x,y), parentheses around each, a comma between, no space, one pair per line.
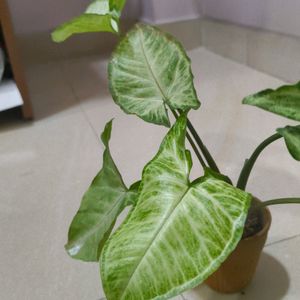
(15,58)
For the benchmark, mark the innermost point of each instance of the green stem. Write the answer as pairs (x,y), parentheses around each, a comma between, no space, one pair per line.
(210,161)
(198,154)
(280,201)
(249,163)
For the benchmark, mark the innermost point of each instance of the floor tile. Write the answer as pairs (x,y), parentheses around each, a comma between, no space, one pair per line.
(225,39)
(50,91)
(45,169)
(179,30)
(273,53)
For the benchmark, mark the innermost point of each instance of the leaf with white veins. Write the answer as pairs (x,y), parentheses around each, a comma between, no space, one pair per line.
(284,101)
(150,71)
(100,15)
(178,233)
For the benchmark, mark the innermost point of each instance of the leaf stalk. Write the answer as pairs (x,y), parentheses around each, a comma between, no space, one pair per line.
(249,163)
(280,201)
(198,154)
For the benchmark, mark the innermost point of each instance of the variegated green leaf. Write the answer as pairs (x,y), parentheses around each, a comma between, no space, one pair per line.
(284,101)
(100,15)
(84,23)
(178,233)
(291,136)
(105,199)
(150,71)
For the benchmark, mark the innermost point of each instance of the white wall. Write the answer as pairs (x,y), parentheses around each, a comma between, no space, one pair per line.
(167,11)
(276,15)
(43,15)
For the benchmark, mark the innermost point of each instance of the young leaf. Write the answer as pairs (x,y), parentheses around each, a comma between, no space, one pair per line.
(100,15)
(177,234)
(284,101)
(105,199)
(82,24)
(150,71)
(291,136)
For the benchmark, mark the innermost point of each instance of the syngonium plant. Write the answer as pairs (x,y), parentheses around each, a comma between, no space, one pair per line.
(177,231)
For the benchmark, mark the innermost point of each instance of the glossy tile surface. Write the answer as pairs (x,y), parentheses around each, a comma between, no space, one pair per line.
(277,54)
(47,165)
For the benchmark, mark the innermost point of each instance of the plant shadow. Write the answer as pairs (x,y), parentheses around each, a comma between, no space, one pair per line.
(271,281)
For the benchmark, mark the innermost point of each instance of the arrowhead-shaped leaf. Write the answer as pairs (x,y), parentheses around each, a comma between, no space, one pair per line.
(284,101)
(105,199)
(150,71)
(100,15)
(291,136)
(178,233)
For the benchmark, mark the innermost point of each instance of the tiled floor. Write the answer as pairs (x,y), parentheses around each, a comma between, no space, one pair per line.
(47,165)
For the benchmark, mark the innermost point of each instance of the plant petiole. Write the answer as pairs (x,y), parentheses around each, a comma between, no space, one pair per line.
(249,163)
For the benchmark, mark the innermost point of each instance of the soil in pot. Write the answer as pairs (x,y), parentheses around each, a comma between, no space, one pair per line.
(238,269)
(255,219)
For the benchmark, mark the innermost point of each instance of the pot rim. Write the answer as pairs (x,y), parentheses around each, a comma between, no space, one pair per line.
(267,223)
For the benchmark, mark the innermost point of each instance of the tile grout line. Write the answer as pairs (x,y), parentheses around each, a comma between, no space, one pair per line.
(77,100)
(283,240)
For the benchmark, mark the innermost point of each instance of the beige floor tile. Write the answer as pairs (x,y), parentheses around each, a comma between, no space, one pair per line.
(45,168)
(179,30)
(50,91)
(225,39)
(275,54)
(87,76)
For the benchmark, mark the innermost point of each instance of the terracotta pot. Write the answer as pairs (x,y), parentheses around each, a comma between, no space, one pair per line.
(239,268)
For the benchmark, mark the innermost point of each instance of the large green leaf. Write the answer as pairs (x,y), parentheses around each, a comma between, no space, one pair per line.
(105,199)
(284,101)
(100,15)
(178,233)
(291,136)
(150,71)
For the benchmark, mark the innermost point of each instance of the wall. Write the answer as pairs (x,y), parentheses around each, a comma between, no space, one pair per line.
(31,16)
(167,11)
(275,15)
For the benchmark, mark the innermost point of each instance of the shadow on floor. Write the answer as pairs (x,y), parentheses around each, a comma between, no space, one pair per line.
(12,119)
(271,281)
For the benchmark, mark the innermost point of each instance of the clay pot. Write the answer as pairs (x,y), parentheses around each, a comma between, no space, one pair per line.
(239,268)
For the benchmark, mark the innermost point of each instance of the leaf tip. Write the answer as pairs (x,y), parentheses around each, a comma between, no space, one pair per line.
(56,36)
(106,134)
(246,100)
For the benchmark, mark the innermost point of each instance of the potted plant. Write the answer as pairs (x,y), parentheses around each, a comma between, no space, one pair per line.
(178,233)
